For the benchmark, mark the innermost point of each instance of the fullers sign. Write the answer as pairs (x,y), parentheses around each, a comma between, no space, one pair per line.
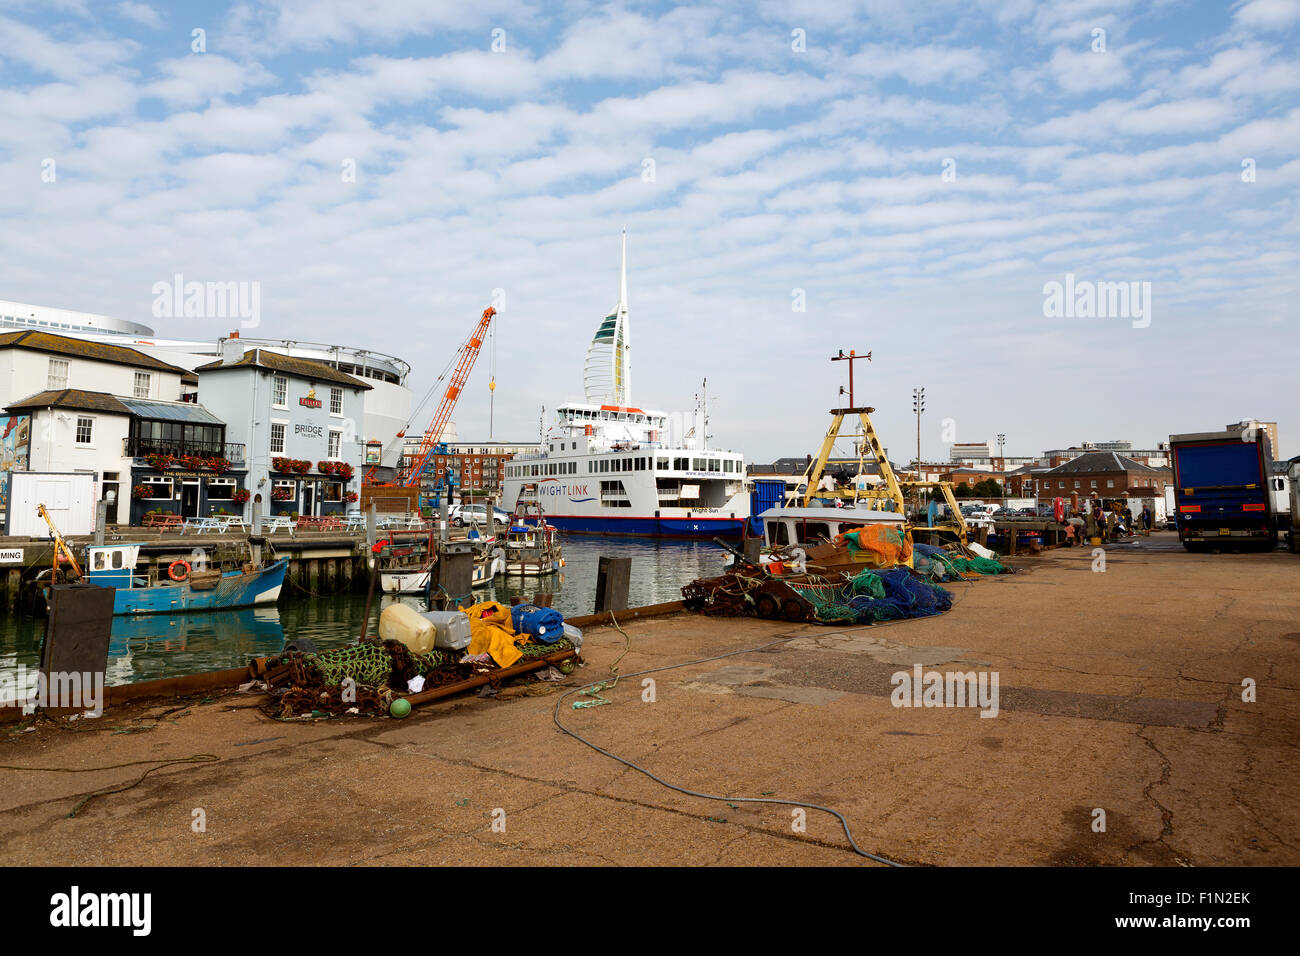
(309,402)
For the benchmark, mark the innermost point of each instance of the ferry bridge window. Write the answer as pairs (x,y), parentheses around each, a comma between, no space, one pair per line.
(697,464)
(714,465)
(627,464)
(640,464)
(661,464)
(681,464)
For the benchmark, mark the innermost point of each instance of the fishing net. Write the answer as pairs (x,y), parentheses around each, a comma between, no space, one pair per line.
(940,564)
(887,594)
(379,670)
(883,546)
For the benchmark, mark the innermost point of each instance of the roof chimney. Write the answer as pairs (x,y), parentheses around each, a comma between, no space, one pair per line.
(232,350)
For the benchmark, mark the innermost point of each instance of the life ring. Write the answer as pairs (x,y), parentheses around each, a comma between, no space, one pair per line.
(171,570)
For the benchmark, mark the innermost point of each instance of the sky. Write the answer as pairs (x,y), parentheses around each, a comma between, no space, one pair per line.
(795,178)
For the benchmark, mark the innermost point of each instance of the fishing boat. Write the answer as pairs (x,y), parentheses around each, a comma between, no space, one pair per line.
(788,533)
(189,590)
(609,467)
(488,564)
(532,545)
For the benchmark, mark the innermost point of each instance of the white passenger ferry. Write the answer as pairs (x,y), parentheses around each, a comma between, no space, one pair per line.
(606,466)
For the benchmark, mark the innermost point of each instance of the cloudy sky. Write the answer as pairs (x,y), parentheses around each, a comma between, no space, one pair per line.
(795,177)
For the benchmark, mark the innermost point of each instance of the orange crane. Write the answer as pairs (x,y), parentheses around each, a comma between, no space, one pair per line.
(467,356)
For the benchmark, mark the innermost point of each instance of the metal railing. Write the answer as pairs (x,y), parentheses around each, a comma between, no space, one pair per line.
(137,447)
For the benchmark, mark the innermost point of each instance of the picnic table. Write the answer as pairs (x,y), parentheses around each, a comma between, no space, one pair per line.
(271,524)
(164,520)
(228,522)
(321,523)
(200,525)
(403,522)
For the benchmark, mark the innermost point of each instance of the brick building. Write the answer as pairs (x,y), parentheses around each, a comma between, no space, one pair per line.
(473,466)
(1104,474)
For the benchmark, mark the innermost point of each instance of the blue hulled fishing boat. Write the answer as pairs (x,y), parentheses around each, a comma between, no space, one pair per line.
(189,590)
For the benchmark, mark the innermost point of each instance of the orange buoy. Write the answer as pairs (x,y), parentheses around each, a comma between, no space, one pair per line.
(171,569)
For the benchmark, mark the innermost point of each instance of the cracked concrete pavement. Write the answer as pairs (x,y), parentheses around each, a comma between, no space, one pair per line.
(1120,691)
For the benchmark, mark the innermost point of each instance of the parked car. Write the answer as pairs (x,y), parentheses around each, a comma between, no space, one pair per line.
(475,515)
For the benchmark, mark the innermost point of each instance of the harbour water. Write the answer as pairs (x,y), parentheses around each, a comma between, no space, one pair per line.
(154,646)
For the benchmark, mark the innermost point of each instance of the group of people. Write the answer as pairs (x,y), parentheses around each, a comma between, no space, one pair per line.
(1109,524)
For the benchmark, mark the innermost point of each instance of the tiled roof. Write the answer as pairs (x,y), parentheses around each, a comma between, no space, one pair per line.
(74,398)
(303,368)
(80,348)
(1097,462)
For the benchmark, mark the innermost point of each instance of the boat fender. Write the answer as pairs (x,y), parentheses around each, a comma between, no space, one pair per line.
(178,563)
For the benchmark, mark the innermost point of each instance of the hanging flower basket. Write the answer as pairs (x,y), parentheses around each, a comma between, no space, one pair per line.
(343,470)
(240,496)
(350,497)
(159,462)
(301,466)
(142,491)
(281,494)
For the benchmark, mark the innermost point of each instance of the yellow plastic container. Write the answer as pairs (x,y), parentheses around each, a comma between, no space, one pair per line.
(400,622)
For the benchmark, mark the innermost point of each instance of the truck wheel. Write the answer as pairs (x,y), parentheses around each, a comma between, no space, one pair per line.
(766,606)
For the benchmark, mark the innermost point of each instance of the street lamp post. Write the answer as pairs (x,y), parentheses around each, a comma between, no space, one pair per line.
(918,406)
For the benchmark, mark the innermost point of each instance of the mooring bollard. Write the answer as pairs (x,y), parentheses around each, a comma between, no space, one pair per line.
(612,579)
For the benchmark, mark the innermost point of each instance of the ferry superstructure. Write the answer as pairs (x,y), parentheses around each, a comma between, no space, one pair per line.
(609,467)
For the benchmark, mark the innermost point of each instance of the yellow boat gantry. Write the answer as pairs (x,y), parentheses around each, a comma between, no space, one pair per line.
(893,490)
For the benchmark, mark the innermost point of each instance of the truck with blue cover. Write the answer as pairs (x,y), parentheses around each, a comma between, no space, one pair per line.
(1222,491)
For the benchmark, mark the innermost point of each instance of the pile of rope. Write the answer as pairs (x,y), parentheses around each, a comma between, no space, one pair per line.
(887,594)
(941,564)
(727,596)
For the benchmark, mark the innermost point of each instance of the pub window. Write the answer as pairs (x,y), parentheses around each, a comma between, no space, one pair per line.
(280,392)
(333,491)
(336,401)
(143,383)
(85,430)
(277,438)
(162,488)
(335,444)
(221,489)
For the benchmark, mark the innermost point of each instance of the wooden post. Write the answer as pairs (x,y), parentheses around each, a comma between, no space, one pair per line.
(613,576)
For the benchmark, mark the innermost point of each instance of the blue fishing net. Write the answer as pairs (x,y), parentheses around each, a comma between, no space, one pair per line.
(870,596)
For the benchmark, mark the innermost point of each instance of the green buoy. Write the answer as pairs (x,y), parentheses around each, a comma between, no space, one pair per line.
(400,707)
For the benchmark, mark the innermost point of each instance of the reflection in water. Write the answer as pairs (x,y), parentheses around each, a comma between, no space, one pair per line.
(148,647)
